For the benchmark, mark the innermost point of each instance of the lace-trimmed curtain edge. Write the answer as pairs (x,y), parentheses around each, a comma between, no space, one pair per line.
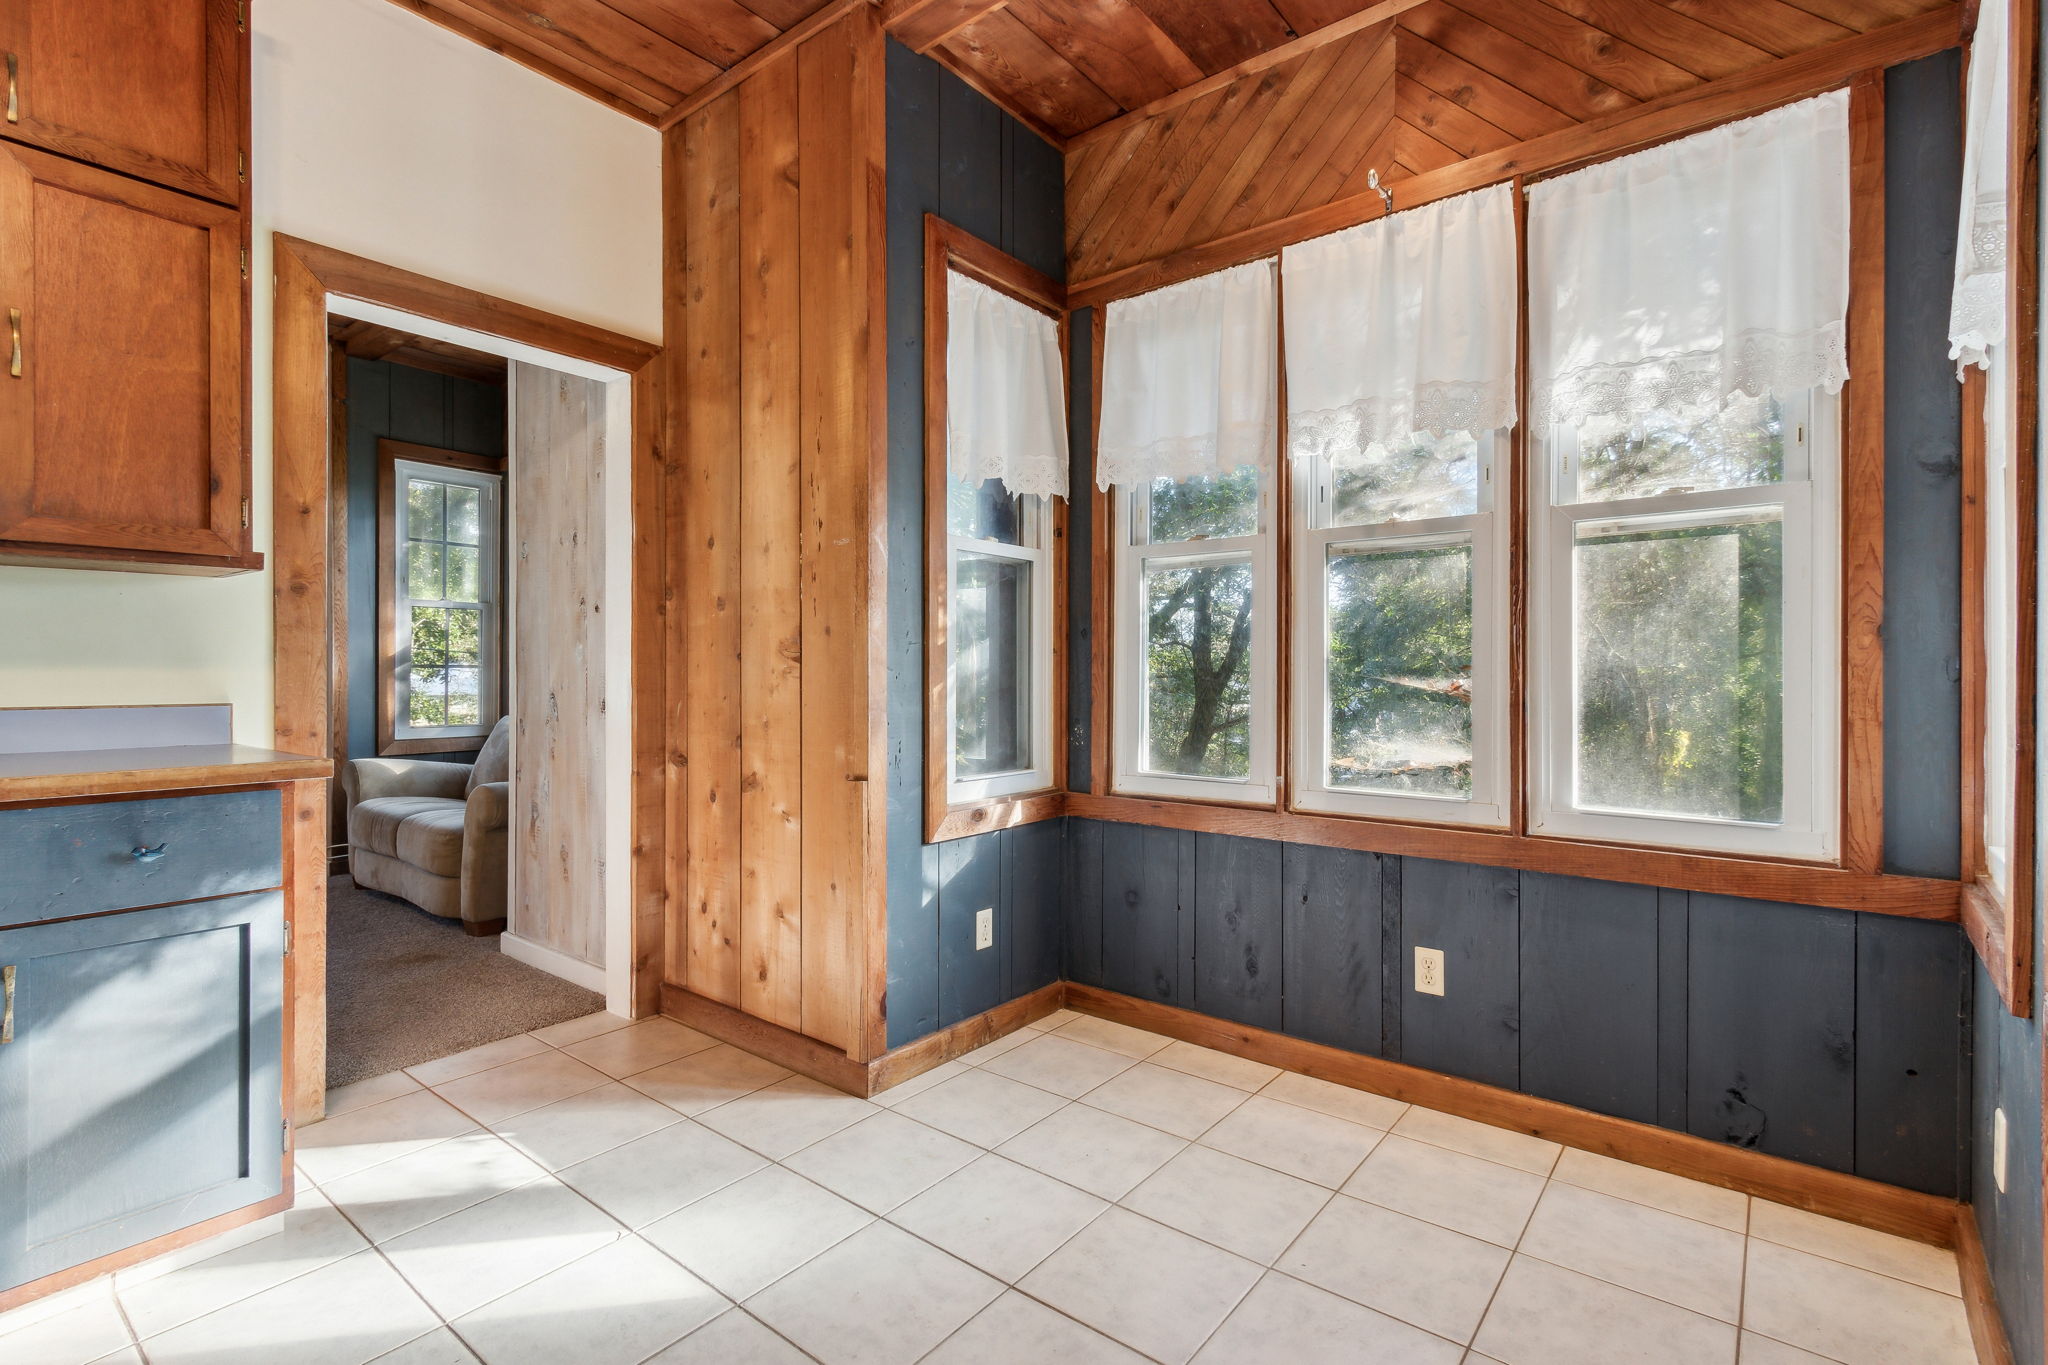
(1183,457)
(1763,364)
(1440,409)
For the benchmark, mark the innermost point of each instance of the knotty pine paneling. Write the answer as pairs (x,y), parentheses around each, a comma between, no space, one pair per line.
(1431,86)
(773,217)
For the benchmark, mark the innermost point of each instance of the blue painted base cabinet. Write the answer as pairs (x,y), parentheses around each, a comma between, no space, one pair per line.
(140,1086)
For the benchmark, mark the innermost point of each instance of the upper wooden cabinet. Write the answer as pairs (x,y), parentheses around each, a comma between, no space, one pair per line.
(150,88)
(121,371)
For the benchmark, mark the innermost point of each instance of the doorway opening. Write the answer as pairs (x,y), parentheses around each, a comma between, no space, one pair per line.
(482,858)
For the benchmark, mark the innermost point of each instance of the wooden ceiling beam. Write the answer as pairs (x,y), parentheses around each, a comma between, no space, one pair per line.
(1378,13)
(922,25)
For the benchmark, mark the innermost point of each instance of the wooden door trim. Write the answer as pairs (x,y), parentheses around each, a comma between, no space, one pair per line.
(306,273)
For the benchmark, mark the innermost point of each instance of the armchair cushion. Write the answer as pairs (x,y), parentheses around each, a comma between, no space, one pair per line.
(377,824)
(370,778)
(484,853)
(432,839)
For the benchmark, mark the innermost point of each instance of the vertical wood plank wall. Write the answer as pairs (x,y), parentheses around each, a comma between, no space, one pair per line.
(558,675)
(774,248)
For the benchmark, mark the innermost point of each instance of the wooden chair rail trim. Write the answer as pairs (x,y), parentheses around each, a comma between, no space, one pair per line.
(1686,111)
(1888,1208)
(1801,883)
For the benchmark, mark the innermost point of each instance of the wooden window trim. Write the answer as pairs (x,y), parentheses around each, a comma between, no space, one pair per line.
(1855,879)
(2001,926)
(948,247)
(389,453)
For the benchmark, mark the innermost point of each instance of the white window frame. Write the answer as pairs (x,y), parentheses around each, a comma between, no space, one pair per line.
(1036,553)
(1486,531)
(1135,555)
(489,607)
(1811,512)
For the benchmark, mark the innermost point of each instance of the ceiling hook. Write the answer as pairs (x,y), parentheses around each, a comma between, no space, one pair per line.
(1372,180)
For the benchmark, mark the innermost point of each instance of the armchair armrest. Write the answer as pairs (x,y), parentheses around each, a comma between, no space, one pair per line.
(485,853)
(366,779)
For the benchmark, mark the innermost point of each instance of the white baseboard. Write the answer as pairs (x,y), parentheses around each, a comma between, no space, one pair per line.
(575,970)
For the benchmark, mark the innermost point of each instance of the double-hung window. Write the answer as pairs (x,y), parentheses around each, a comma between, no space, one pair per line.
(1687,325)
(1188,445)
(2000,524)
(1401,393)
(440,603)
(992,482)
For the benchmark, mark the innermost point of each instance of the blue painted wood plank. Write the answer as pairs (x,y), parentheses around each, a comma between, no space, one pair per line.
(1473,1029)
(1589,994)
(970,881)
(1081,936)
(1142,937)
(1912,1080)
(1033,886)
(1331,898)
(1239,929)
(1771,1055)
(1672,919)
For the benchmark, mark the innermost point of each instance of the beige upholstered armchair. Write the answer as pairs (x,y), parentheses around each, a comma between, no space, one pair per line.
(434,833)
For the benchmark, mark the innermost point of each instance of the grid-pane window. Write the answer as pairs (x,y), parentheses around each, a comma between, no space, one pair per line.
(445,656)
(1400,691)
(1685,627)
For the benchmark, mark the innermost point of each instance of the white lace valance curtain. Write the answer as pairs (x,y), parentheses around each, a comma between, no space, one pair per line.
(1677,277)
(1189,379)
(1403,324)
(1977,310)
(1006,411)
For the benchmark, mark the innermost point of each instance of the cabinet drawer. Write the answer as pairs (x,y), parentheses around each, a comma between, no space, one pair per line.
(59,861)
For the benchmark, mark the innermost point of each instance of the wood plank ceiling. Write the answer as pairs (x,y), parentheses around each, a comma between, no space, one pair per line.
(645,58)
(1439,83)
(1465,73)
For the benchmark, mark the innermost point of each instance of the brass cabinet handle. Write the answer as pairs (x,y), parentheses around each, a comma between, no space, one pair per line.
(14,352)
(13,88)
(7,1011)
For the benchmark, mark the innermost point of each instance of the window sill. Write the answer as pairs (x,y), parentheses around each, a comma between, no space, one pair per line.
(1800,883)
(454,744)
(1003,812)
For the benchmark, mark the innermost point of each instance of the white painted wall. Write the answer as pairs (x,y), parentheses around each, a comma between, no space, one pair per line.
(381,134)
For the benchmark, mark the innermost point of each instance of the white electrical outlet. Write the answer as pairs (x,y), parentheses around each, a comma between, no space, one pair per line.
(985,929)
(1998,1148)
(1429,971)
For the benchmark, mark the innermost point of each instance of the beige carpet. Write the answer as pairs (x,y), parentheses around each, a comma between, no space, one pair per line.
(405,987)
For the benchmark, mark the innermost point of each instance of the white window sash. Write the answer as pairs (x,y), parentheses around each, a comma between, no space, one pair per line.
(1486,532)
(490,664)
(1811,653)
(1133,776)
(1038,775)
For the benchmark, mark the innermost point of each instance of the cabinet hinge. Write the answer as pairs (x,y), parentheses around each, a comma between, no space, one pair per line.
(242,167)
(241,16)
(245,514)
(287,938)
(245,263)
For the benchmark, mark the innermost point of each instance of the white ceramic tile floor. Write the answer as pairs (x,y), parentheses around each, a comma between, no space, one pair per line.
(600,1193)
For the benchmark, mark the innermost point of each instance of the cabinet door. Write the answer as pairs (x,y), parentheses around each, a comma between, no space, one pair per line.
(150,89)
(140,1091)
(122,429)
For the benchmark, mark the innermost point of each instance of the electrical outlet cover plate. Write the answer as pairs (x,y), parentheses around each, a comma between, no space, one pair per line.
(984,929)
(1429,971)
